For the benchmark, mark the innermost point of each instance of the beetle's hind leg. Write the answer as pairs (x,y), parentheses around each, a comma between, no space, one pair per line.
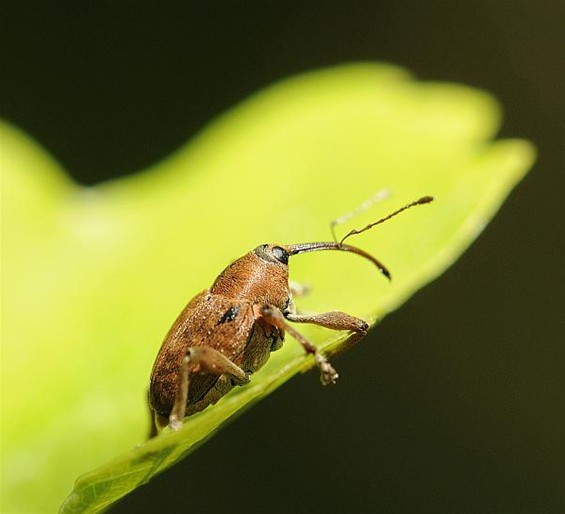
(273,316)
(181,396)
(201,359)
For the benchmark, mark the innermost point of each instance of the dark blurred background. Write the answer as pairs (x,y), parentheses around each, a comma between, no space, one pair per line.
(455,403)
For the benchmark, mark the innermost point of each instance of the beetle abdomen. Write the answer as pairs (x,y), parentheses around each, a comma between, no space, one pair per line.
(222,324)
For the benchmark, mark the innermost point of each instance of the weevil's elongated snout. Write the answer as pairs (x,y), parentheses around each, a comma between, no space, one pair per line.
(331,245)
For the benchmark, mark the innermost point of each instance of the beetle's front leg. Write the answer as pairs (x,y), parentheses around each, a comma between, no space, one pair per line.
(201,359)
(273,316)
(336,320)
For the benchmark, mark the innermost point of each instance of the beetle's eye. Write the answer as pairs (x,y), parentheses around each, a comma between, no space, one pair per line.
(280,254)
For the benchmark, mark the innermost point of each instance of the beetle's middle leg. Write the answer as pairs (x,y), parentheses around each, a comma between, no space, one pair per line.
(298,289)
(273,316)
(201,359)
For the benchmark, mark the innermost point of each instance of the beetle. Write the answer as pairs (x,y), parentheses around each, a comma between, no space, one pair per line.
(228,331)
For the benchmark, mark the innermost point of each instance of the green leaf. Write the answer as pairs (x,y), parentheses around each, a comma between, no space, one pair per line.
(93,277)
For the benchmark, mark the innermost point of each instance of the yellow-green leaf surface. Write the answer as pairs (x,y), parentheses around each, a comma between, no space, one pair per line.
(93,277)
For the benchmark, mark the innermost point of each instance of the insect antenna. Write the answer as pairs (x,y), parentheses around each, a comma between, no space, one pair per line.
(420,201)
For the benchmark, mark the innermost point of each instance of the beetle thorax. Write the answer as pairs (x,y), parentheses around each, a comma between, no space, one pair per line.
(254,279)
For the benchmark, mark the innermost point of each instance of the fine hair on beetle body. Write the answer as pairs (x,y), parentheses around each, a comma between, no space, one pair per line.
(227,332)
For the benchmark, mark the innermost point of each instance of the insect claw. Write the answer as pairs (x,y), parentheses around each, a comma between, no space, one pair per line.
(239,381)
(174,424)
(328,374)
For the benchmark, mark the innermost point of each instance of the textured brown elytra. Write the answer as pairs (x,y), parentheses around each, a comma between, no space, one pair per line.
(227,332)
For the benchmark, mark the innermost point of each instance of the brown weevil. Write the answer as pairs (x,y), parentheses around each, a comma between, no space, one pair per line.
(227,332)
